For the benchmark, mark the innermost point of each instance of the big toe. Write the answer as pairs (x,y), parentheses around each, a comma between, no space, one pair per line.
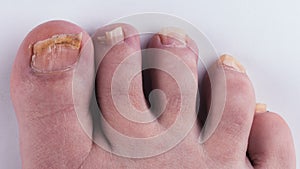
(42,94)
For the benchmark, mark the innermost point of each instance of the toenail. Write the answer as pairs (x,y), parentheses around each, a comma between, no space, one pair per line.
(260,108)
(112,37)
(231,63)
(176,37)
(58,53)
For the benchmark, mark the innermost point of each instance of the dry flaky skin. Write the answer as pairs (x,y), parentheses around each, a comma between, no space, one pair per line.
(56,53)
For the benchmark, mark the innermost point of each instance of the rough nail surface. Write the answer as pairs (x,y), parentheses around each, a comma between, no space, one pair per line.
(231,63)
(260,108)
(58,53)
(174,36)
(112,37)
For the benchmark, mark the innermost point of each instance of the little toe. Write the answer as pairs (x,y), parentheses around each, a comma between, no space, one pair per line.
(271,143)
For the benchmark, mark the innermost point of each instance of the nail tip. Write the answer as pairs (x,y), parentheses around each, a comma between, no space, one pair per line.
(112,37)
(260,108)
(175,33)
(47,55)
(230,62)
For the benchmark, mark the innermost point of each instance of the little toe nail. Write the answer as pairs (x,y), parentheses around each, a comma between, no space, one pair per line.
(260,108)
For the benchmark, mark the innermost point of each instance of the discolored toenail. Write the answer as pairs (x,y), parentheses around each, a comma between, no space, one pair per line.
(173,37)
(229,62)
(112,37)
(58,53)
(260,108)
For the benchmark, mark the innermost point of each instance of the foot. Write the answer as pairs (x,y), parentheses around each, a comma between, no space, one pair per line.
(57,54)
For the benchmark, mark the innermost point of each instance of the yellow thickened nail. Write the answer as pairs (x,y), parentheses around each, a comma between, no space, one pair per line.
(260,108)
(58,53)
(112,37)
(231,63)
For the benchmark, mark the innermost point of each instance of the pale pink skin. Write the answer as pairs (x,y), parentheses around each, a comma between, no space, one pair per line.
(52,137)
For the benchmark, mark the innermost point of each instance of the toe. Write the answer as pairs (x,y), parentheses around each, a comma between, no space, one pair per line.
(271,143)
(231,104)
(119,80)
(41,91)
(173,56)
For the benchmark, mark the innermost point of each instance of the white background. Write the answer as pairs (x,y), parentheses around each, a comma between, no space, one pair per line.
(263,35)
